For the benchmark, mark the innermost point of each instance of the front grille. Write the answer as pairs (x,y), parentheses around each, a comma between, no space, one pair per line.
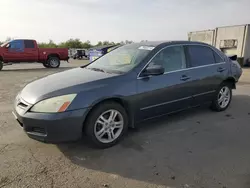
(22,105)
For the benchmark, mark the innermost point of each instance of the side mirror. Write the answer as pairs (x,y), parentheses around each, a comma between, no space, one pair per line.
(233,57)
(153,70)
(8,45)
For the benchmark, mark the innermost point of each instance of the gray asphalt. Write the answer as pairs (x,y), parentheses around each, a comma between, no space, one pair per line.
(195,148)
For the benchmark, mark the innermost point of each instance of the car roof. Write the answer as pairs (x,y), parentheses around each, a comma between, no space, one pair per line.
(103,46)
(163,43)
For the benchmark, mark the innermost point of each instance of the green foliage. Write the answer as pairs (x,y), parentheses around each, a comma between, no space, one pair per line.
(75,43)
(50,44)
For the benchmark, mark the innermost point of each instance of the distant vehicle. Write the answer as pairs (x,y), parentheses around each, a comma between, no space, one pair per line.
(17,51)
(130,84)
(80,54)
(99,51)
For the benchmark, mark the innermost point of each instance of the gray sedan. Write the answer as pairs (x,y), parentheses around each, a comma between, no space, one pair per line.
(131,84)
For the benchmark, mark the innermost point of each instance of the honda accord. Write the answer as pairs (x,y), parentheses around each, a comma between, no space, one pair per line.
(131,84)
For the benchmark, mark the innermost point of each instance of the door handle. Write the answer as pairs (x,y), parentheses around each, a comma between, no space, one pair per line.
(220,69)
(185,77)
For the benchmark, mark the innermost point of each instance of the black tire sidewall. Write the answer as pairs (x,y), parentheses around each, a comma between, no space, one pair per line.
(215,104)
(46,65)
(53,58)
(94,114)
(1,65)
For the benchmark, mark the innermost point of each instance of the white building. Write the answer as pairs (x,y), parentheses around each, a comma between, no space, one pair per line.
(232,40)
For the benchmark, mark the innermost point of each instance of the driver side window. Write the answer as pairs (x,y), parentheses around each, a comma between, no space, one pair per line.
(16,46)
(171,58)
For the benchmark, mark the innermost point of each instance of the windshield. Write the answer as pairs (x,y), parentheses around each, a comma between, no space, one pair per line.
(122,59)
(2,45)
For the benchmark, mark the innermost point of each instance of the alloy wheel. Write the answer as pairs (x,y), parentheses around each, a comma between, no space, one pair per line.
(53,63)
(224,97)
(109,126)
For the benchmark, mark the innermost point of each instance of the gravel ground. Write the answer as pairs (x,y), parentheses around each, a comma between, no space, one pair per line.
(196,148)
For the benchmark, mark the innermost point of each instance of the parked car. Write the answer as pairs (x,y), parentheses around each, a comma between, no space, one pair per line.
(96,52)
(131,84)
(17,51)
(80,54)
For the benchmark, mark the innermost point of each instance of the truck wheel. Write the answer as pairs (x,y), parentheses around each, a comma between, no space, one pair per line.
(46,65)
(1,65)
(53,62)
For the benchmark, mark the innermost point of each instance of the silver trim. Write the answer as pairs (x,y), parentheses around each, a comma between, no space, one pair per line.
(36,134)
(164,103)
(155,105)
(183,70)
(204,93)
(138,75)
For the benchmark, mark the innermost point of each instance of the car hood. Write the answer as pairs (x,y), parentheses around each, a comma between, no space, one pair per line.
(71,81)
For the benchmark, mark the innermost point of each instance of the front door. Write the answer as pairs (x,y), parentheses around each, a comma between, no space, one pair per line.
(169,92)
(15,51)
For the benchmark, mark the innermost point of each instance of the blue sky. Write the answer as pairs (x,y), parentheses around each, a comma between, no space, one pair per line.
(117,20)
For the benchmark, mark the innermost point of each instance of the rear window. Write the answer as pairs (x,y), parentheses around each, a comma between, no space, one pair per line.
(201,55)
(218,59)
(29,44)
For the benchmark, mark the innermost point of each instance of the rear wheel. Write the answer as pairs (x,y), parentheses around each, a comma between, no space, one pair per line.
(1,65)
(106,124)
(223,97)
(53,62)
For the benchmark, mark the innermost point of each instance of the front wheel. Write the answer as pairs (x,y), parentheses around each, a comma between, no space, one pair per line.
(223,98)
(106,124)
(53,62)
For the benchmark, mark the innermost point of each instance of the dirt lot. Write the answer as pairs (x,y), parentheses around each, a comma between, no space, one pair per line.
(196,148)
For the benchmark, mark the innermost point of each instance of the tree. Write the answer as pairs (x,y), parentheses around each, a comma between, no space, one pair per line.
(51,44)
(73,43)
(86,45)
(128,41)
(105,43)
(99,43)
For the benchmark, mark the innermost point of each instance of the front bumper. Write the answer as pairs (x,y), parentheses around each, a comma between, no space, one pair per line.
(52,128)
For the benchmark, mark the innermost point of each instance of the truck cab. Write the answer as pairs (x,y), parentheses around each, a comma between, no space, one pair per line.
(20,51)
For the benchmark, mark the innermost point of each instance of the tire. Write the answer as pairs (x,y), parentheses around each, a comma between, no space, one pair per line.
(53,62)
(1,65)
(93,128)
(217,104)
(46,65)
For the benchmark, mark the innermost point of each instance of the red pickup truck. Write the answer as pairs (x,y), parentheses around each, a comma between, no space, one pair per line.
(28,51)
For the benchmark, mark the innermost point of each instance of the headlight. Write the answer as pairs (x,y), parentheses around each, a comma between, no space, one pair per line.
(55,104)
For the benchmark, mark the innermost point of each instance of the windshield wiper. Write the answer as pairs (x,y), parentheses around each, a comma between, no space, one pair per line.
(97,69)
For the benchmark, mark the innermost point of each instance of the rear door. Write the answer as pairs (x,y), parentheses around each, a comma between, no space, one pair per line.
(15,52)
(208,69)
(30,51)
